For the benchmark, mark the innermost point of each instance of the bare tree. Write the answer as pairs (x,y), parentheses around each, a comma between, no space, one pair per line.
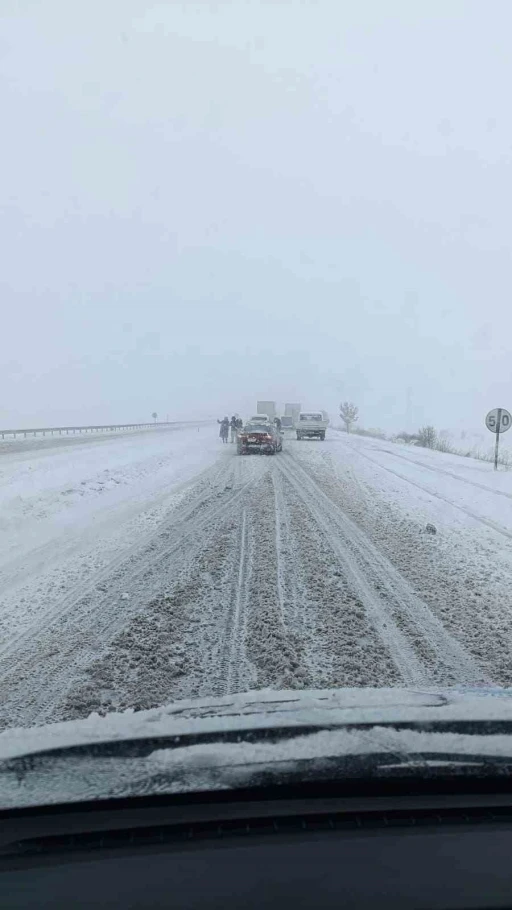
(443,442)
(427,437)
(349,414)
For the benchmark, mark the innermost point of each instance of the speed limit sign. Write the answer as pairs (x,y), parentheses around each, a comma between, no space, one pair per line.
(498,421)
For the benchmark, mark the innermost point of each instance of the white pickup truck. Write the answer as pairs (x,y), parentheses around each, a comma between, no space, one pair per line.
(311,425)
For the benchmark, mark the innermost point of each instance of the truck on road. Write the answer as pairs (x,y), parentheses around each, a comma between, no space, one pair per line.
(311,425)
(268,408)
(292,409)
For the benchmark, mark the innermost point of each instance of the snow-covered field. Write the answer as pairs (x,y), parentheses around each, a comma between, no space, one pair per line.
(139,569)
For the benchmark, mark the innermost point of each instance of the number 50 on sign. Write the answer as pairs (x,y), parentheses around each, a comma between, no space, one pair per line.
(498,421)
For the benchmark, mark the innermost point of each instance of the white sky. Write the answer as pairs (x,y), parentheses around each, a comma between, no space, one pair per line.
(208,203)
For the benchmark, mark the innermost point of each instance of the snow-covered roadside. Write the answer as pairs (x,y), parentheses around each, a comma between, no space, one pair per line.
(458,491)
(463,572)
(64,510)
(38,440)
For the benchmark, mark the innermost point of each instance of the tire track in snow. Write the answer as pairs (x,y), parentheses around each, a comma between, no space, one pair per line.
(333,638)
(287,588)
(47,656)
(232,656)
(273,649)
(403,655)
(386,595)
(183,532)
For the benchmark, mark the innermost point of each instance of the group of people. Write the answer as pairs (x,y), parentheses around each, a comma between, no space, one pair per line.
(227,425)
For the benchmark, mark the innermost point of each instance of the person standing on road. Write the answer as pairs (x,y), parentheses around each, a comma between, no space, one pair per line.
(224,428)
(233,424)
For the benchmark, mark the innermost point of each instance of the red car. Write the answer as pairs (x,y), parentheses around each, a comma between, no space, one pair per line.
(262,438)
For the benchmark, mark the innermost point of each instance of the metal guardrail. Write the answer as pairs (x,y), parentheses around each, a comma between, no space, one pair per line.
(112,428)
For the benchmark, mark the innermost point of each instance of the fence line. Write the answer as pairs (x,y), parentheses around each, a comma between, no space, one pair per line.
(108,427)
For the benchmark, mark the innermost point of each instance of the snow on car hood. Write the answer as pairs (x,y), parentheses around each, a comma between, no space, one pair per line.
(265,708)
(200,753)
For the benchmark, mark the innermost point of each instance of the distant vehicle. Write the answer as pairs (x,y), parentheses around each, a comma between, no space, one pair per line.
(292,409)
(265,439)
(287,422)
(267,408)
(262,419)
(311,425)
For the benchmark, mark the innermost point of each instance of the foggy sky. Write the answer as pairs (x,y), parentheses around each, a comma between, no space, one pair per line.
(207,203)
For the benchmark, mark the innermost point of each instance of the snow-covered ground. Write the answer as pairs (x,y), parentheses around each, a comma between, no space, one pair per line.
(67,506)
(464,571)
(139,570)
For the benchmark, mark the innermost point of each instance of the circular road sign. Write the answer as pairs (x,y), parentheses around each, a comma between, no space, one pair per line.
(493,419)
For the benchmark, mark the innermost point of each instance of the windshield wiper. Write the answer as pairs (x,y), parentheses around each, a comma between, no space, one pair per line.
(143,747)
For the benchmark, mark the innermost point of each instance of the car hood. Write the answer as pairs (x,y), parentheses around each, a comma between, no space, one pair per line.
(219,742)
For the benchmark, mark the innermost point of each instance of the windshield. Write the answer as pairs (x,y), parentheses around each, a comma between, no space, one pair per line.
(204,204)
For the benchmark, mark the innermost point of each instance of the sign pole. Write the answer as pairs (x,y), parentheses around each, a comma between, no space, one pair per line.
(498,424)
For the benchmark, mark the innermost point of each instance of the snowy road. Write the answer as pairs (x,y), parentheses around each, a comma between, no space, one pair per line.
(138,571)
